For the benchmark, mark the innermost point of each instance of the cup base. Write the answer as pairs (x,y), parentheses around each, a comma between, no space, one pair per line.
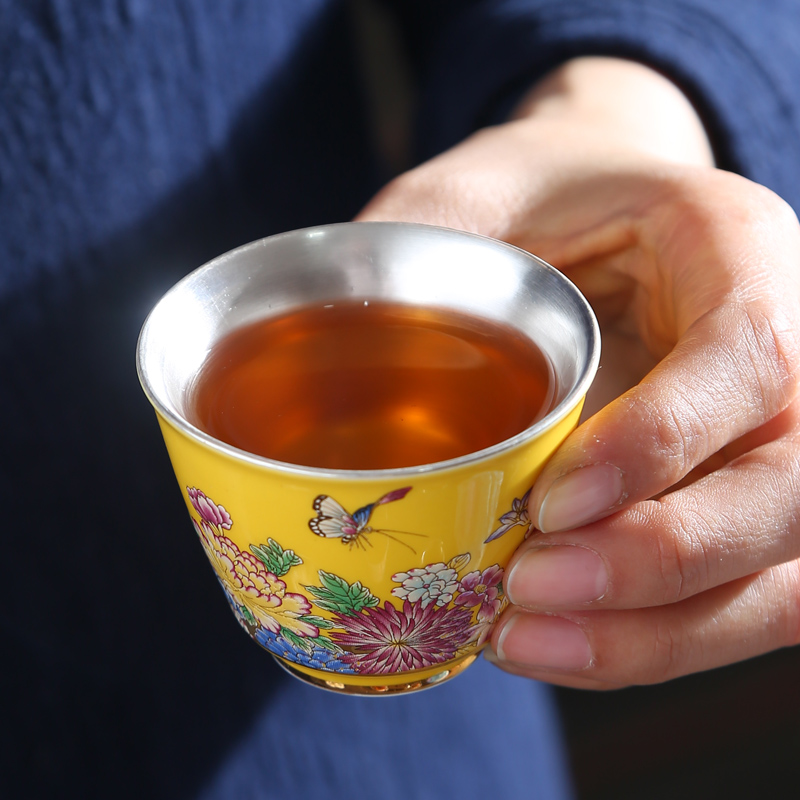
(378,686)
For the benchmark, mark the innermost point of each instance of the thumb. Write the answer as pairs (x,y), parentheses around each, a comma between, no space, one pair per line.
(734,366)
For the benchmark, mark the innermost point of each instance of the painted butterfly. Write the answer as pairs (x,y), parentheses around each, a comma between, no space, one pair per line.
(334,522)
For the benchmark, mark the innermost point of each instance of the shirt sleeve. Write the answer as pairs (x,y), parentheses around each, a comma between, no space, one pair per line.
(738,61)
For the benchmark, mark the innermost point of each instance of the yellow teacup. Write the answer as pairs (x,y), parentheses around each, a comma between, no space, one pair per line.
(374,581)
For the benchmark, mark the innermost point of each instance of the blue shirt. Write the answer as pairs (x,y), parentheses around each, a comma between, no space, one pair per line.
(138,138)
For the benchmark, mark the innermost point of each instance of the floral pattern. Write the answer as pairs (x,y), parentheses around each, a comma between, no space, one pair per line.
(482,589)
(434,583)
(208,510)
(260,594)
(517,516)
(444,611)
(388,639)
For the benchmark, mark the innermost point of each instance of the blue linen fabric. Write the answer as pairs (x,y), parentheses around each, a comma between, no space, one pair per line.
(483,734)
(738,61)
(138,138)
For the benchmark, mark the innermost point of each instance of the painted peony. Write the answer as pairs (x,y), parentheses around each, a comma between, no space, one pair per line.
(482,589)
(245,578)
(208,510)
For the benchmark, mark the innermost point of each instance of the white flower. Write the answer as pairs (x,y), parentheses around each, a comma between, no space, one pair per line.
(436,582)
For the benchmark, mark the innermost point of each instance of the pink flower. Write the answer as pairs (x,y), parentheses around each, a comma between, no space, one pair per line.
(385,640)
(208,510)
(482,589)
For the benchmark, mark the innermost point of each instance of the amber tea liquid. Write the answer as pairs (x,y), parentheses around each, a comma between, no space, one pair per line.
(370,385)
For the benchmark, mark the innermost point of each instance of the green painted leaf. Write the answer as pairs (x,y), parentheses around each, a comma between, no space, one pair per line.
(338,587)
(297,641)
(355,590)
(371,601)
(277,560)
(323,641)
(327,605)
(337,595)
(363,598)
(320,622)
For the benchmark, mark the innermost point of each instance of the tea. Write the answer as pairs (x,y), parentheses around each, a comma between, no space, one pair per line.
(370,385)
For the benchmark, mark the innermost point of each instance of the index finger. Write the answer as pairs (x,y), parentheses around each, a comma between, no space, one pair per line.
(726,288)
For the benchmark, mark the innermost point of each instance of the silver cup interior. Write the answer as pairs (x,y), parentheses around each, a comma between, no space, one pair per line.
(400,262)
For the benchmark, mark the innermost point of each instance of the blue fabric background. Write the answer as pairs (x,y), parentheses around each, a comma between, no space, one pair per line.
(138,138)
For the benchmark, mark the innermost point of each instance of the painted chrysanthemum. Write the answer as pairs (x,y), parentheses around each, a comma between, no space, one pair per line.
(383,640)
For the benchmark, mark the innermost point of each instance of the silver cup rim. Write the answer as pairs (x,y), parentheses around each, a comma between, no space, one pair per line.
(552,418)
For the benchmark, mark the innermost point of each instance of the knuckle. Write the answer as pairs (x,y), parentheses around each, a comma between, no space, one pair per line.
(691,429)
(769,293)
(773,338)
(677,439)
(684,560)
(772,600)
(669,652)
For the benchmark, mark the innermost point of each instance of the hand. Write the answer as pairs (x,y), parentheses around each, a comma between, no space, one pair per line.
(670,520)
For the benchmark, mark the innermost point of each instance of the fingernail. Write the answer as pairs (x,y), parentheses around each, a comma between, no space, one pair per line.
(557,576)
(580,497)
(541,641)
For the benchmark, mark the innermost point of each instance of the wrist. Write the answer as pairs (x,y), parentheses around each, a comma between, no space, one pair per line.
(624,101)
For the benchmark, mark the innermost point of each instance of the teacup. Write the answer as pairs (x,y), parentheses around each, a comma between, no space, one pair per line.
(297,549)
